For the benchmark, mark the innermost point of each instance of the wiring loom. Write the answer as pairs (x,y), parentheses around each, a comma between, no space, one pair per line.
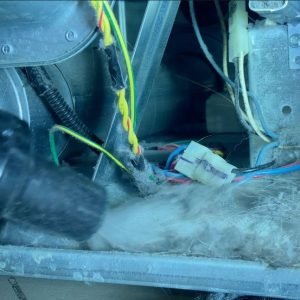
(247,118)
(106,22)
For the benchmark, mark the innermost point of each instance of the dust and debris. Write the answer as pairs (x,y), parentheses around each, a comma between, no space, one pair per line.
(257,220)
(222,296)
(78,276)
(97,277)
(38,258)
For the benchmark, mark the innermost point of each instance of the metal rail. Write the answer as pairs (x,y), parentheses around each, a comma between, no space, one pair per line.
(244,278)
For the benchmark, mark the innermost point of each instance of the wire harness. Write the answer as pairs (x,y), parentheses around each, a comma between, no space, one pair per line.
(44,88)
(238,50)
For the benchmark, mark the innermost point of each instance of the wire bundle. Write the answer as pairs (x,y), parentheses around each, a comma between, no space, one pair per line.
(168,172)
(246,117)
(290,168)
(106,23)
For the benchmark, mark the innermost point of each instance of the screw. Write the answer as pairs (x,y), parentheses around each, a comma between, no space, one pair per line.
(71,36)
(295,40)
(6,49)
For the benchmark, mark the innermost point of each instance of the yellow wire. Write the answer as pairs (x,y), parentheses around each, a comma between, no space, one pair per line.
(127,122)
(218,152)
(107,36)
(98,6)
(87,142)
(127,60)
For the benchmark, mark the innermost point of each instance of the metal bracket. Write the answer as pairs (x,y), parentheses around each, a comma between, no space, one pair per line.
(294,45)
(43,32)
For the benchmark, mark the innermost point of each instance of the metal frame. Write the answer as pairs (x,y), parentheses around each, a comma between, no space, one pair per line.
(151,270)
(294,45)
(270,53)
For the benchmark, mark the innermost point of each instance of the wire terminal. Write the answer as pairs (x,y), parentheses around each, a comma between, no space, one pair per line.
(238,29)
(201,164)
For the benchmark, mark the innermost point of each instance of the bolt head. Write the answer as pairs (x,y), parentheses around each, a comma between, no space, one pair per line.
(6,49)
(71,35)
(295,40)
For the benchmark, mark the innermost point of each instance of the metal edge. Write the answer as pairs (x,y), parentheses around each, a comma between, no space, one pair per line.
(171,271)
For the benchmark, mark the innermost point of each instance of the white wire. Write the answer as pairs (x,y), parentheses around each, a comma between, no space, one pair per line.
(248,111)
(248,116)
(225,54)
(203,46)
(225,47)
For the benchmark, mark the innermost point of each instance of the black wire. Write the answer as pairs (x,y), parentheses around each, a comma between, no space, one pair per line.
(114,67)
(250,170)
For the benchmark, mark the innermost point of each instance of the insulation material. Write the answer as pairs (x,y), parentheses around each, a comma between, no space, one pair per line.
(253,220)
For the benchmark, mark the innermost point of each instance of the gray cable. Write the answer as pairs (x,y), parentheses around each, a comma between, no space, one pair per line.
(204,47)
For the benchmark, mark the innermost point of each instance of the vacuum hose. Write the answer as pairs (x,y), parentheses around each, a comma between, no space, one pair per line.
(35,192)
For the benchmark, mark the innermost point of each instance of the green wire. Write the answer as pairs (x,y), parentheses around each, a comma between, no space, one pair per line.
(59,128)
(122,46)
(53,148)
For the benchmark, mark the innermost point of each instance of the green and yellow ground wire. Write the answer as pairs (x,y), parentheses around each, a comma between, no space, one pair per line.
(106,21)
(123,47)
(63,129)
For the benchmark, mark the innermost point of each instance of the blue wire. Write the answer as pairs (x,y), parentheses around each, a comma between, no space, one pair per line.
(277,171)
(270,133)
(262,153)
(173,155)
(167,174)
(264,125)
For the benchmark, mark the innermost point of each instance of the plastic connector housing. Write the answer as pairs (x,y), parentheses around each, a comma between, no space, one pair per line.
(238,29)
(201,164)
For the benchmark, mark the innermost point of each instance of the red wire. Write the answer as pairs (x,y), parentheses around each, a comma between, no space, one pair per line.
(100,20)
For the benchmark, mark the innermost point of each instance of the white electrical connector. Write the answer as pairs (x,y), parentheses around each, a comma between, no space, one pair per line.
(201,164)
(238,29)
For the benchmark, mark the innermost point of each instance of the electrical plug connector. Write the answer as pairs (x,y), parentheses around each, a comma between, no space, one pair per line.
(201,164)
(238,29)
